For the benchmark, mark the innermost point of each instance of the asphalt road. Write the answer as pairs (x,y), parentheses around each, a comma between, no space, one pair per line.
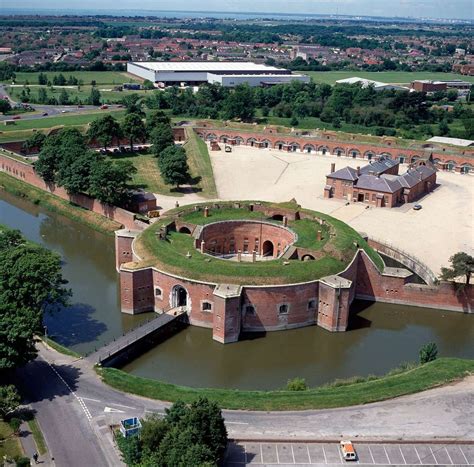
(51,110)
(75,409)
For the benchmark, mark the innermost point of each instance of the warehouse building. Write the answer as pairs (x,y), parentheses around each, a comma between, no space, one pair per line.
(228,74)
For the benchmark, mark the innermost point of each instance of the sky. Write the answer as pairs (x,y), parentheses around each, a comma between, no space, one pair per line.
(460,9)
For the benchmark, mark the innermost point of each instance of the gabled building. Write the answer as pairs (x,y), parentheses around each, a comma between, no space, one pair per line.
(379,183)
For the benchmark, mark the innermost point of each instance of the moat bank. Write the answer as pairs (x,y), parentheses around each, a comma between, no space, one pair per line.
(383,336)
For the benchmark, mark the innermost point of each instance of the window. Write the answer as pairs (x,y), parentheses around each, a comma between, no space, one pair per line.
(206,306)
(249,310)
(158,292)
(311,305)
(283,309)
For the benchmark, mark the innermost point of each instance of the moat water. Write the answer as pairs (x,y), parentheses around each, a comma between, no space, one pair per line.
(381,336)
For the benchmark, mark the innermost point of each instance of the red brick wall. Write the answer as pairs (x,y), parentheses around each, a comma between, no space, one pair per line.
(26,173)
(372,285)
(218,236)
(362,150)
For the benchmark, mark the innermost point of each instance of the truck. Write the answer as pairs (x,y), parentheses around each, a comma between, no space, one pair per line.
(348,451)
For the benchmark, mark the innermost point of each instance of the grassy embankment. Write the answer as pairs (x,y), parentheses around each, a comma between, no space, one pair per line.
(60,348)
(337,252)
(338,394)
(55,204)
(10,446)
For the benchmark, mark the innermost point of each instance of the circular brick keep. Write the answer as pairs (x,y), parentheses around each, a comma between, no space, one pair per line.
(229,237)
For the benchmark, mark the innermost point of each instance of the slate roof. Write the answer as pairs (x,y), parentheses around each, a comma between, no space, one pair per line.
(346,173)
(380,166)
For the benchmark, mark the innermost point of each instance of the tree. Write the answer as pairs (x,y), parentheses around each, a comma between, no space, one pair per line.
(173,166)
(462,264)
(133,128)
(63,98)
(443,128)
(9,400)
(30,285)
(94,97)
(296,384)
(75,175)
(5,106)
(35,141)
(148,85)
(240,103)
(133,104)
(161,137)
(156,118)
(104,130)
(109,181)
(428,353)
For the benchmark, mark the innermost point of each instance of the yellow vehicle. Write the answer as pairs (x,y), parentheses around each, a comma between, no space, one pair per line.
(348,451)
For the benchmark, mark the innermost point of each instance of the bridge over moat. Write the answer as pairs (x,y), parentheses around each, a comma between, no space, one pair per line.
(140,339)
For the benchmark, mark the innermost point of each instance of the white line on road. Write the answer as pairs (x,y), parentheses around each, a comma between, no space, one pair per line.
(434,457)
(464,455)
(371,455)
(401,452)
(293,453)
(386,453)
(278,457)
(450,460)
(120,405)
(236,423)
(325,458)
(419,458)
(309,455)
(89,399)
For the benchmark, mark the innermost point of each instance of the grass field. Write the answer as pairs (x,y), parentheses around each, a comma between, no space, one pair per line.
(100,77)
(10,446)
(439,372)
(38,436)
(200,163)
(398,77)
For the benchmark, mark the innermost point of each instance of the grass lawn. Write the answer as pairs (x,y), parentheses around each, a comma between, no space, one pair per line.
(60,348)
(38,436)
(172,253)
(398,77)
(200,163)
(55,204)
(100,77)
(439,372)
(9,446)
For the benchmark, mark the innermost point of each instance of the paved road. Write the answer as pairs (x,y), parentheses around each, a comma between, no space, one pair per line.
(75,408)
(51,110)
(240,454)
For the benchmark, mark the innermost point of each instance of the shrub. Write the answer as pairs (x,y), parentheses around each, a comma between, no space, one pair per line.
(296,384)
(15,424)
(428,353)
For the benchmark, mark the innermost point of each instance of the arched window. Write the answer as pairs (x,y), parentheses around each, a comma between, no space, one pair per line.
(311,305)
(283,309)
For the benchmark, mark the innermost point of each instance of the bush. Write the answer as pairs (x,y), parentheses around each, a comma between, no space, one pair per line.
(296,384)
(23,462)
(428,353)
(15,424)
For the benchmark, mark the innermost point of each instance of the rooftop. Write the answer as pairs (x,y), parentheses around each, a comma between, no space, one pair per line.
(207,66)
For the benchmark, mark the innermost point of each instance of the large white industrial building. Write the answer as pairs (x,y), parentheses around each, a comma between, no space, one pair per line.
(227,74)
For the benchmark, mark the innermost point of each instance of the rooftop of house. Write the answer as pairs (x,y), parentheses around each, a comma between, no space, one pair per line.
(376,167)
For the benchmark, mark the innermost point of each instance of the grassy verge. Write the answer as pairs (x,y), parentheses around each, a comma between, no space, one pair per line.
(100,77)
(200,163)
(38,436)
(439,372)
(60,348)
(10,446)
(54,204)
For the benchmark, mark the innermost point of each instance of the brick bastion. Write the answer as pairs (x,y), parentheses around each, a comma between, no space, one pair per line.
(232,304)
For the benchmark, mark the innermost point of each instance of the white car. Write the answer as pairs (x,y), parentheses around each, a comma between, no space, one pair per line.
(348,451)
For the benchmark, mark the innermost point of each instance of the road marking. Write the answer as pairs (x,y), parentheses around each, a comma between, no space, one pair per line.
(419,458)
(325,458)
(401,452)
(110,409)
(81,402)
(89,399)
(434,457)
(386,453)
(278,457)
(236,423)
(464,455)
(447,452)
(292,453)
(371,455)
(125,406)
(340,454)
(309,455)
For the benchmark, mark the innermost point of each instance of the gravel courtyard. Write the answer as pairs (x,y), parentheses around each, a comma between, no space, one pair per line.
(443,227)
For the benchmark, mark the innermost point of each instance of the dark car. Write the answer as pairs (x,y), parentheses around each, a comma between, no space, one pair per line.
(417,207)
(44,114)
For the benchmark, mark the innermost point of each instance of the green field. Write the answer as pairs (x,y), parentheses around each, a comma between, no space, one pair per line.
(352,392)
(398,77)
(10,446)
(100,77)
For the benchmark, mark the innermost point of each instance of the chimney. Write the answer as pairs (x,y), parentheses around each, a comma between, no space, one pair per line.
(333,167)
(358,171)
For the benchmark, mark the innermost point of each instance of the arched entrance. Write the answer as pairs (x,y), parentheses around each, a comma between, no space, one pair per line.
(267,248)
(185,230)
(180,296)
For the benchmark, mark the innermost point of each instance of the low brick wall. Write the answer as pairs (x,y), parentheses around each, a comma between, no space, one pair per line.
(25,172)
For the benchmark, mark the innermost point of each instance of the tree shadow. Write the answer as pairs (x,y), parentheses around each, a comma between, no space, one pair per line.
(74,325)
(38,381)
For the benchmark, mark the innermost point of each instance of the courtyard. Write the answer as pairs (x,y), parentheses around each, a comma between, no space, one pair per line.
(442,228)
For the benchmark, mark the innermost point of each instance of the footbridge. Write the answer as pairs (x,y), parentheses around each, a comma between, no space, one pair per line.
(140,339)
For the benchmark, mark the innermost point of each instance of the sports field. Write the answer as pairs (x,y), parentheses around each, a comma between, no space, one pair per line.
(100,77)
(398,77)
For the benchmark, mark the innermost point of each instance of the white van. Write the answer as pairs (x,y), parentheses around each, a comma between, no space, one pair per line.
(348,451)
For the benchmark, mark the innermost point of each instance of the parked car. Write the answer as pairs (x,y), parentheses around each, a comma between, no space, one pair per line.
(417,207)
(44,114)
(348,451)
(16,117)
(104,107)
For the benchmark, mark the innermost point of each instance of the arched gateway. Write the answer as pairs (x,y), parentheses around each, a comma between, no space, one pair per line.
(179,297)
